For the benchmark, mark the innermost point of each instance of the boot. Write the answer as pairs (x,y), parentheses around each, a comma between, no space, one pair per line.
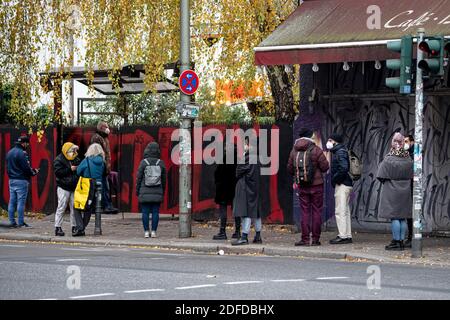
(74,229)
(78,233)
(59,232)
(237,224)
(395,245)
(242,240)
(221,235)
(257,238)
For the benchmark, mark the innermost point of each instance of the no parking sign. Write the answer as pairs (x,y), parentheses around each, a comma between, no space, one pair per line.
(188,82)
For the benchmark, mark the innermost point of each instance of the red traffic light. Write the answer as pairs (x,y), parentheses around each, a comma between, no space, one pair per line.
(426,48)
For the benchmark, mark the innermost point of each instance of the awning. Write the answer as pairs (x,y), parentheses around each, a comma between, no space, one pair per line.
(327,31)
(131,79)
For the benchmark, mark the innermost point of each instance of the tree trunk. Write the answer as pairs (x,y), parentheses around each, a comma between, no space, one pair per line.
(281,81)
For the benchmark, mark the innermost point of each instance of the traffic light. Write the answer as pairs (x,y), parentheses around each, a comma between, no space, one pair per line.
(434,48)
(405,47)
(446,64)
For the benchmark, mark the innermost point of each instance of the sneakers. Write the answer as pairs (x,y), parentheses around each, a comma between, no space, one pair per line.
(153,234)
(239,242)
(59,232)
(24,225)
(13,225)
(339,240)
(78,233)
(146,234)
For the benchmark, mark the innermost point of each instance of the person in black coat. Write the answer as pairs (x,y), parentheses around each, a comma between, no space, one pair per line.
(409,146)
(65,167)
(342,184)
(246,200)
(225,181)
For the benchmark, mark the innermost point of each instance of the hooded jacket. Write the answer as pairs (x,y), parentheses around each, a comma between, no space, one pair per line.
(340,166)
(154,193)
(18,164)
(92,167)
(319,161)
(66,178)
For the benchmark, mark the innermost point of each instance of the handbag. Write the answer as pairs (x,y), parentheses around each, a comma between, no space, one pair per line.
(85,192)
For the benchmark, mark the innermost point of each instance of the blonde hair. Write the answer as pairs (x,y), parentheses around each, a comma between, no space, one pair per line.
(95,150)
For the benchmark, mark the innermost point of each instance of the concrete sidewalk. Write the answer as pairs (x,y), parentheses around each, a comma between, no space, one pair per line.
(278,240)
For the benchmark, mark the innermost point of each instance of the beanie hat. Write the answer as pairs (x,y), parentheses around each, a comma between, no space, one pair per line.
(23,139)
(337,137)
(305,133)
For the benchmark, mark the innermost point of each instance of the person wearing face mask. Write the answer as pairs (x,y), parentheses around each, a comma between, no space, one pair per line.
(395,173)
(19,172)
(65,168)
(342,184)
(409,146)
(101,137)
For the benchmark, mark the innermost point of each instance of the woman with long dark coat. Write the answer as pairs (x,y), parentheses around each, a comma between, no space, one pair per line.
(395,173)
(225,181)
(246,199)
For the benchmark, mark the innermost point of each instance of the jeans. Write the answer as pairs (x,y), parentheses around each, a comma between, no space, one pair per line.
(399,227)
(152,207)
(18,192)
(246,223)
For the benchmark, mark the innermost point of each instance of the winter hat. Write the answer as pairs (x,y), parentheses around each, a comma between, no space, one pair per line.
(398,141)
(23,139)
(337,137)
(305,133)
(67,147)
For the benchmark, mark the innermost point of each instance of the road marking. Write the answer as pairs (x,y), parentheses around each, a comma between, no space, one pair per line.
(288,280)
(93,296)
(144,290)
(243,282)
(48,299)
(61,260)
(331,278)
(74,249)
(196,287)
(12,245)
(157,258)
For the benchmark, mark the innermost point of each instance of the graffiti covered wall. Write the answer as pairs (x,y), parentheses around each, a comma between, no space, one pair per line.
(357,104)
(127,148)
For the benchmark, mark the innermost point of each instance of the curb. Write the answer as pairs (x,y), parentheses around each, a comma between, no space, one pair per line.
(195,247)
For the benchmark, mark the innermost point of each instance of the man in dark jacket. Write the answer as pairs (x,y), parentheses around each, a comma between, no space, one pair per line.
(311,197)
(246,199)
(65,167)
(101,137)
(225,181)
(151,193)
(342,184)
(19,173)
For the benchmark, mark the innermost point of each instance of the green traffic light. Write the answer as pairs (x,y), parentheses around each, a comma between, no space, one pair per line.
(403,83)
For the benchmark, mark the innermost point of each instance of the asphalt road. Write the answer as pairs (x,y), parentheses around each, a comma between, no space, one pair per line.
(51,271)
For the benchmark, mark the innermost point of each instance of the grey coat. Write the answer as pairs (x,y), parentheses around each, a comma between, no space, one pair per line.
(395,174)
(156,193)
(246,198)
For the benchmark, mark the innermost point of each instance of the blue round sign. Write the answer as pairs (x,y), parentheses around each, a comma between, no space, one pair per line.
(188,82)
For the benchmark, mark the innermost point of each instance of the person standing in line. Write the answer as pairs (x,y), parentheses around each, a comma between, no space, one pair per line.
(225,181)
(65,167)
(246,200)
(150,187)
(342,184)
(409,146)
(93,166)
(395,173)
(19,173)
(307,163)
(101,137)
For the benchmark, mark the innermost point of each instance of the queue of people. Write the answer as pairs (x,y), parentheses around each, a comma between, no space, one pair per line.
(237,185)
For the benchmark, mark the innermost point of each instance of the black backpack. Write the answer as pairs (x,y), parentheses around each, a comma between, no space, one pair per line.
(304,168)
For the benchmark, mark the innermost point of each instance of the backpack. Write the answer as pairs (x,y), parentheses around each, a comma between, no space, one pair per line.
(304,168)
(84,193)
(152,174)
(355,169)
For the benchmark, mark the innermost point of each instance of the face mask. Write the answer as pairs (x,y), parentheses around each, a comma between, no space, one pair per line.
(330,145)
(107,131)
(406,146)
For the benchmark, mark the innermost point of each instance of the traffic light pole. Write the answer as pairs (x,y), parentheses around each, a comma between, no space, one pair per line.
(418,173)
(185,203)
